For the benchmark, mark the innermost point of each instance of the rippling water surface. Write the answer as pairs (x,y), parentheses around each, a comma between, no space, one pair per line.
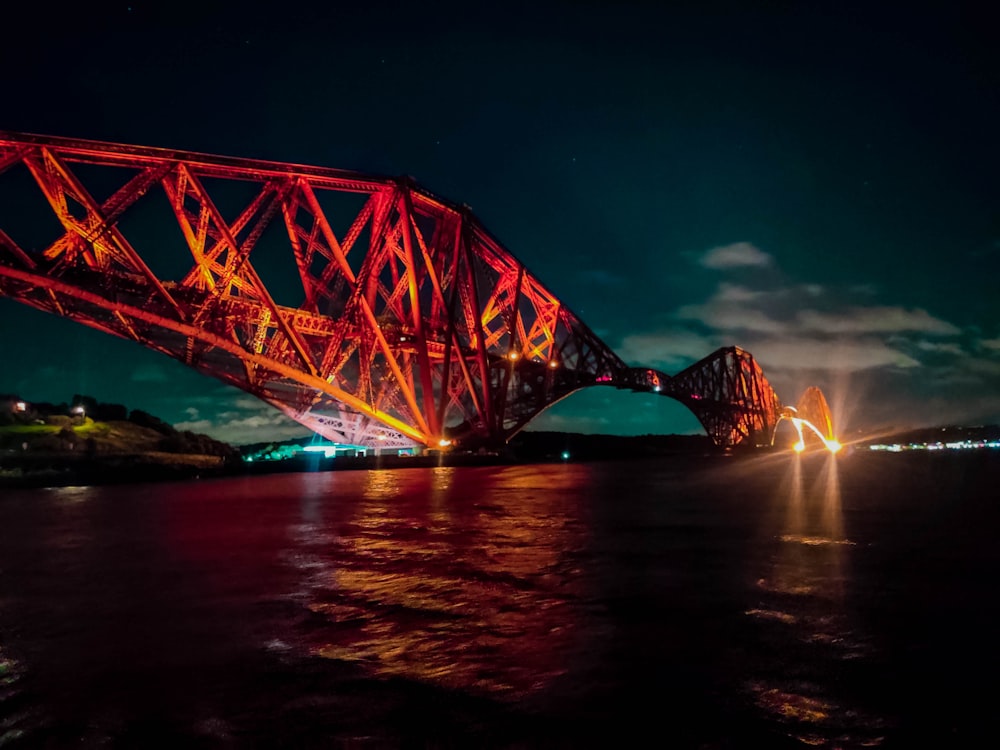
(707,603)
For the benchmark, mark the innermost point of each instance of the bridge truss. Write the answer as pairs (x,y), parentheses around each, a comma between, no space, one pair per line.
(402,320)
(365,308)
(726,391)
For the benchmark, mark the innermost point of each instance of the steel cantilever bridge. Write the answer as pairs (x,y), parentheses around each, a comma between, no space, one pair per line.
(390,316)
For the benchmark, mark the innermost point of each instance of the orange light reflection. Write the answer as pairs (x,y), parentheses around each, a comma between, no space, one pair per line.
(485,611)
(802,599)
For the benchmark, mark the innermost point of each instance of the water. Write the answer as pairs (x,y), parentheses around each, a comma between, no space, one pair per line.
(703,603)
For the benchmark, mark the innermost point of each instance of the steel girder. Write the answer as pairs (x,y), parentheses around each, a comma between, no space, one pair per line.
(813,408)
(411,323)
(727,392)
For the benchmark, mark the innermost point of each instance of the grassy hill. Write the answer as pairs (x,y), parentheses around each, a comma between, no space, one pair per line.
(38,447)
(59,434)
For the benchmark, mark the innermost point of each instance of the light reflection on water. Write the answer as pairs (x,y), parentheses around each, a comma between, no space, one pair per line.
(731,601)
(400,593)
(72,493)
(807,587)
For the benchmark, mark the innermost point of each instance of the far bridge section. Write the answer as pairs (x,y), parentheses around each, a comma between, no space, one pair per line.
(729,394)
(726,391)
(364,307)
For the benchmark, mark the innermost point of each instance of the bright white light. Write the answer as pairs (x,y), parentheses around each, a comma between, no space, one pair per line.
(444,443)
(514,356)
(831,444)
(328,451)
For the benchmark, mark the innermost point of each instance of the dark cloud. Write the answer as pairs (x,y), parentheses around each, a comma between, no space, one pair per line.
(240,419)
(737,255)
(806,333)
(877,319)
(670,350)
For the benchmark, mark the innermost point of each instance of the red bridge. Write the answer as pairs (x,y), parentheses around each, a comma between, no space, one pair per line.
(389,316)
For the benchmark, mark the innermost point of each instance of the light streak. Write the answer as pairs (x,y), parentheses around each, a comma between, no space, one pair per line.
(831,444)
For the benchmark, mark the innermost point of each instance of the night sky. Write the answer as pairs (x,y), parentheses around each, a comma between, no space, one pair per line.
(815,185)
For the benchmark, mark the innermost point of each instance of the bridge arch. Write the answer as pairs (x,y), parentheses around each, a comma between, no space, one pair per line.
(617,411)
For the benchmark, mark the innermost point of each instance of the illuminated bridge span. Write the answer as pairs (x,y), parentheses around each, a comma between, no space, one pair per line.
(389,317)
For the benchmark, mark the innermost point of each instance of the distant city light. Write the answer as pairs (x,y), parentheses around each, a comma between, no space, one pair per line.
(328,451)
(961,445)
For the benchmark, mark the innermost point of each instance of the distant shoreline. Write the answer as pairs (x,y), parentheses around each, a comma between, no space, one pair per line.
(141,470)
(60,470)
(53,469)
